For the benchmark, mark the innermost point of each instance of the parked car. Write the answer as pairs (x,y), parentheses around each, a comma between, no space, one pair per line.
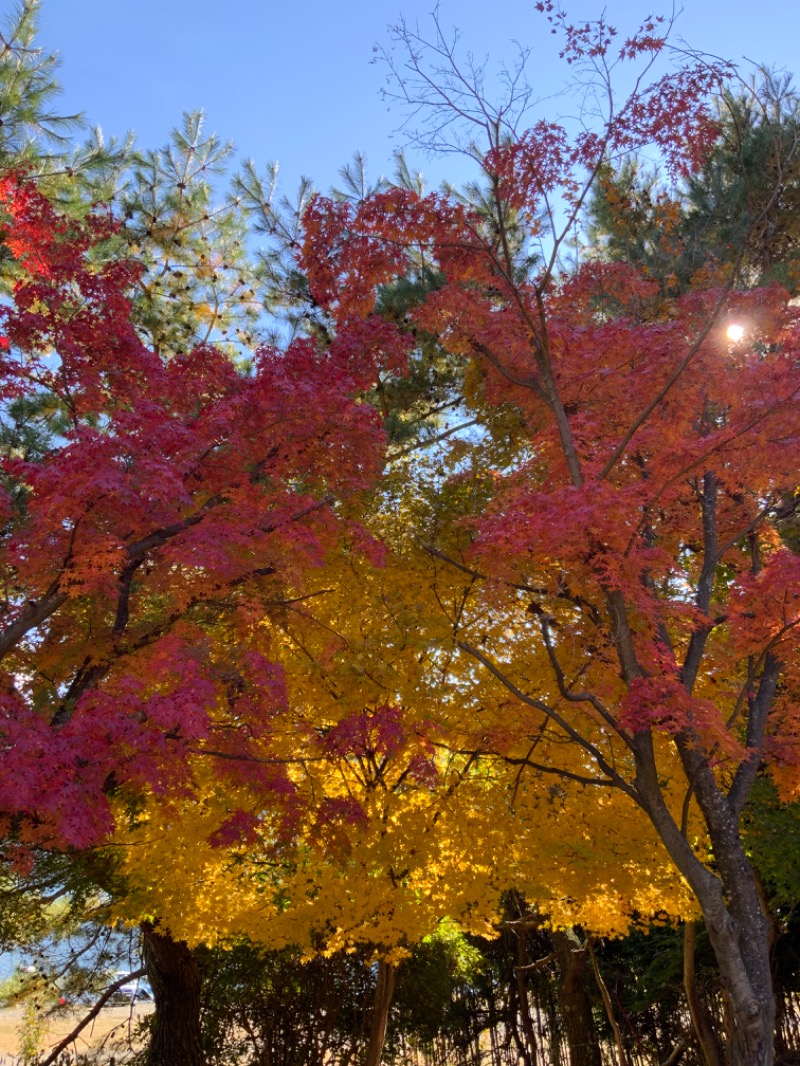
(132,991)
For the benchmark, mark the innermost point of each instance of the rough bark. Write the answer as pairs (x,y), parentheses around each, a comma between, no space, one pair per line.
(575,1002)
(384,990)
(740,935)
(730,903)
(175,979)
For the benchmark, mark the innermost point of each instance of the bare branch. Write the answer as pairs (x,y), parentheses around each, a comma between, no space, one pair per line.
(89,1017)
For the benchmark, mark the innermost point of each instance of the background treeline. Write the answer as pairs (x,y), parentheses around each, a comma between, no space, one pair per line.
(532,995)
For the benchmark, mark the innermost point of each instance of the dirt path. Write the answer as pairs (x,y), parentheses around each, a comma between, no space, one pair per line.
(118,1018)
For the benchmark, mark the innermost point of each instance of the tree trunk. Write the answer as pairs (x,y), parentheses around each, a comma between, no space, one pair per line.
(701,1022)
(737,926)
(622,1057)
(575,1002)
(384,990)
(531,1055)
(175,979)
(748,999)
(740,936)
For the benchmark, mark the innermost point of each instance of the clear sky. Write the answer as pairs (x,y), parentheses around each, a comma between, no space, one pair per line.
(293,80)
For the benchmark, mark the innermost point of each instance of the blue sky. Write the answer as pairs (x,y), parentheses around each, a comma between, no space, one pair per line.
(293,80)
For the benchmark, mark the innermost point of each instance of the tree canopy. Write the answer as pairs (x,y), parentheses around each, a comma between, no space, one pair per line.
(417,559)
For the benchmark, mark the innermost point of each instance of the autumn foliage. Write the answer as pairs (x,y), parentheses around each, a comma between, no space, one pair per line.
(351,694)
(630,549)
(159,498)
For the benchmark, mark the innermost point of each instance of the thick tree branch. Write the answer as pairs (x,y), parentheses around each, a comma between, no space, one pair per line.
(577,697)
(756,726)
(705,584)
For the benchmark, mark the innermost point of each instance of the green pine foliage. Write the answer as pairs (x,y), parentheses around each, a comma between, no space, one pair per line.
(739,211)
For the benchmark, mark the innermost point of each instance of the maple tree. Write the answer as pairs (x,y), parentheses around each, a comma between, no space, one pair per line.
(148,504)
(395,831)
(133,467)
(383,844)
(102,314)
(163,515)
(646,609)
(390,832)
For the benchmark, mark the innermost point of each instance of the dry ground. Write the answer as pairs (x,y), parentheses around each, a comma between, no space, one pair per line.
(92,1037)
